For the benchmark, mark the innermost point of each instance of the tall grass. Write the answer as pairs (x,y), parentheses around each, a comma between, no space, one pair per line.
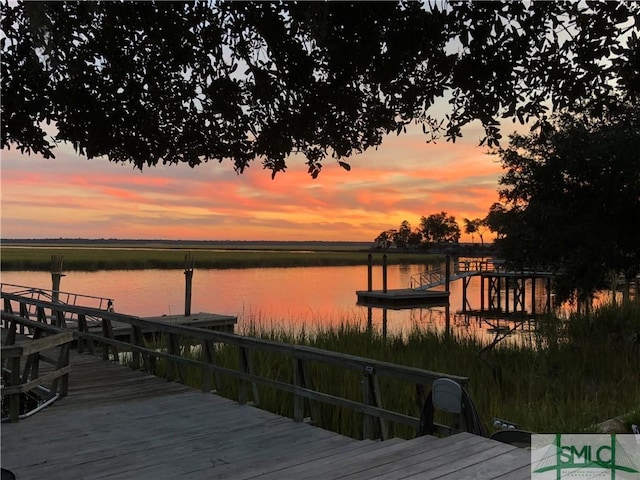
(92,259)
(571,376)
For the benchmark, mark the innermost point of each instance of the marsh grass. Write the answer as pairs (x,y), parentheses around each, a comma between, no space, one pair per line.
(573,375)
(93,259)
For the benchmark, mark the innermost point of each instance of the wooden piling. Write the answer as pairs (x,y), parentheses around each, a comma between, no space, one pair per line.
(56,275)
(447,273)
(189,261)
(370,273)
(384,273)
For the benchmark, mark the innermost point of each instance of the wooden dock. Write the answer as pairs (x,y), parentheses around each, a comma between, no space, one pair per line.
(201,320)
(114,421)
(120,423)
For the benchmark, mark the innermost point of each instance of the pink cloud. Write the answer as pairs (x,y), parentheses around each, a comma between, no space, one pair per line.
(403,179)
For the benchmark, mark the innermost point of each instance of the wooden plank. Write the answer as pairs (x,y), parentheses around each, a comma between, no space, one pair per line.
(449,461)
(359,467)
(499,465)
(121,423)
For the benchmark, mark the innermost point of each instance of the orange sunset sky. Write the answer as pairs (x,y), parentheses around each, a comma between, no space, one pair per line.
(405,178)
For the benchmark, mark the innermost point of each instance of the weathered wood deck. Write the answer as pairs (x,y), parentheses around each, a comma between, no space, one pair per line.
(200,320)
(120,423)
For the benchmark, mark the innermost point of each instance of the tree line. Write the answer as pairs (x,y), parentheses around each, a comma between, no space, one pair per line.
(435,229)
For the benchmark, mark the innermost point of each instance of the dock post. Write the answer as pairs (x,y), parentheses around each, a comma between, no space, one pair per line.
(384,323)
(370,273)
(548,306)
(447,273)
(465,301)
(56,275)
(189,260)
(384,273)
(506,294)
(447,319)
(533,295)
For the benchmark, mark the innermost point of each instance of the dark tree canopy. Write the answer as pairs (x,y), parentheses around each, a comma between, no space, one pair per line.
(170,82)
(440,228)
(571,200)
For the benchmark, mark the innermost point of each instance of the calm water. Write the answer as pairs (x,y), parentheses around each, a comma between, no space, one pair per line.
(280,297)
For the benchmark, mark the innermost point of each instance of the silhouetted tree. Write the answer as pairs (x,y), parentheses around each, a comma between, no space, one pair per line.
(477,225)
(385,239)
(172,82)
(570,199)
(470,228)
(440,228)
(402,236)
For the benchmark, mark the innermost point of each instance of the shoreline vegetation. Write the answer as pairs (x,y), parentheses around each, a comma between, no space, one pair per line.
(144,254)
(566,379)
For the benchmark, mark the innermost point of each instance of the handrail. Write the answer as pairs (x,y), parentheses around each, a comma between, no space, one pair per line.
(19,379)
(62,297)
(301,385)
(432,278)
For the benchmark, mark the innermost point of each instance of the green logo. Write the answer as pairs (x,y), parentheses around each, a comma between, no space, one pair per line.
(564,456)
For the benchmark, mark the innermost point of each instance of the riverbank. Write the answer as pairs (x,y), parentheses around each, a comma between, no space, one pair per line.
(137,257)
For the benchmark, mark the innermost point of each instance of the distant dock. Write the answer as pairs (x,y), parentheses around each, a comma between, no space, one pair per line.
(401,298)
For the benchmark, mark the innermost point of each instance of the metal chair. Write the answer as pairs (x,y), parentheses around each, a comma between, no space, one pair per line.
(449,396)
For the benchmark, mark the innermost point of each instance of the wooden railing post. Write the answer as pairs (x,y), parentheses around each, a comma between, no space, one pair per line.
(84,328)
(32,365)
(61,385)
(302,379)
(208,357)
(24,313)
(371,396)
(137,340)
(11,334)
(246,366)
(14,399)
(173,348)
(107,332)
(298,381)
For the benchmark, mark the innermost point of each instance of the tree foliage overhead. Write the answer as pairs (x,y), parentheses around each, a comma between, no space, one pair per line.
(170,82)
(570,200)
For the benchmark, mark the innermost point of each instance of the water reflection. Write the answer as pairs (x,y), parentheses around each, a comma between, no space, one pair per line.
(306,297)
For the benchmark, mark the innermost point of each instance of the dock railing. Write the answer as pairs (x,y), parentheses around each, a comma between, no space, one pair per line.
(459,269)
(55,297)
(21,363)
(174,355)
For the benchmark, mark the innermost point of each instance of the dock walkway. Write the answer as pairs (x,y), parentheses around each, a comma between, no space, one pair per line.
(121,423)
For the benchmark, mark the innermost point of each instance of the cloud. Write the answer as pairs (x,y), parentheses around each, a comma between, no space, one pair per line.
(404,178)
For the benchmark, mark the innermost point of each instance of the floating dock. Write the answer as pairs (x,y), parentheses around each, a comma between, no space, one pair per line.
(402,298)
